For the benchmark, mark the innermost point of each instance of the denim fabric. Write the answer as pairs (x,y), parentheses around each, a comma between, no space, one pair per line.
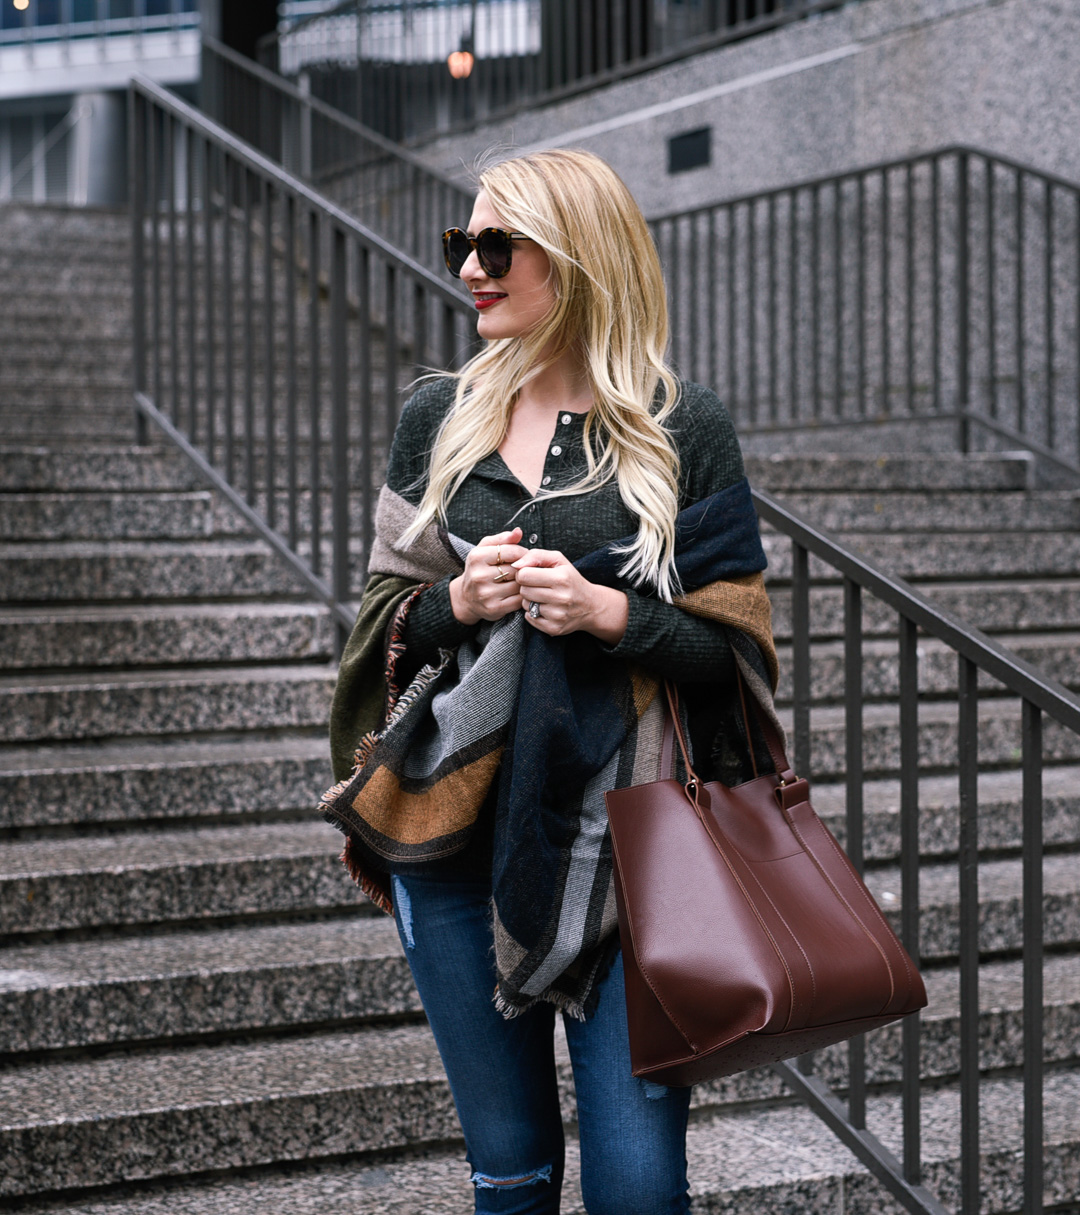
(502,1073)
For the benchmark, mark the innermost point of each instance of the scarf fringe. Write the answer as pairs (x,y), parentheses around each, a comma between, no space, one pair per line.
(565,1004)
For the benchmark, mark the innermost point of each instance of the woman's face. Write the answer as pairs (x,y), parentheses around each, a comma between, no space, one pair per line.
(513,305)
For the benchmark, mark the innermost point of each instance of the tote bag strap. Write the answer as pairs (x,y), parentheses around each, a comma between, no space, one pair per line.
(673,733)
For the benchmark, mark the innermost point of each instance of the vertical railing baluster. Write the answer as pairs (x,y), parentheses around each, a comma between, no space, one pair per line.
(911,1093)
(390,329)
(247,185)
(189,255)
(137,158)
(367,398)
(155,152)
(909,289)
(853,780)
(1048,308)
(229,181)
(815,298)
(772,413)
(291,425)
(210,290)
(314,238)
(174,271)
(860,294)
(885,296)
(713,342)
(935,294)
(800,655)
(751,311)
(991,287)
(694,369)
(968,746)
(1032,752)
(793,306)
(674,292)
(269,355)
(838,302)
(1021,348)
(963,301)
(339,423)
(732,332)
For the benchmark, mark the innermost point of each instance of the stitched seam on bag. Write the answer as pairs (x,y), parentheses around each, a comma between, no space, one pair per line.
(750,903)
(851,910)
(645,974)
(806,959)
(879,915)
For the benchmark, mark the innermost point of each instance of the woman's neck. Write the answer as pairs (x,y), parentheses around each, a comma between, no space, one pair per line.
(563,384)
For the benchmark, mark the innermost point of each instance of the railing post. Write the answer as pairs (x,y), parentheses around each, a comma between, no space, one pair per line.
(304,84)
(963,303)
(339,425)
(968,743)
(137,176)
(853,844)
(1033,957)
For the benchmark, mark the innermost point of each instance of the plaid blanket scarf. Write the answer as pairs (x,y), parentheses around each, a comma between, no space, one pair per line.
(554,721)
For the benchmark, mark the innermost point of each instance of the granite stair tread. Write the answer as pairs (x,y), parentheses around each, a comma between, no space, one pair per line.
(30,467)
(131,989)
(995,607)
(162,634)
(173,876)
(946,556)
(137,781)
(939,511)
(132,515)
(740,1163)
(788,471)
(190,700)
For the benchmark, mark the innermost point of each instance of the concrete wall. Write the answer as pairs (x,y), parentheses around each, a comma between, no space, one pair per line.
(876,80)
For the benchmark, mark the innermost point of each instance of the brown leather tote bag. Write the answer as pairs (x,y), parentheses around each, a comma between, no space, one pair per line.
(747,935)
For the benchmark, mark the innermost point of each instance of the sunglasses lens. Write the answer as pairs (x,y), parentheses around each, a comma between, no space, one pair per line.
(493,248)
(456,250)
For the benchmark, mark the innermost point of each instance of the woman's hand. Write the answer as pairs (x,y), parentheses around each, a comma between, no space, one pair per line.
(486,589)
(567,602)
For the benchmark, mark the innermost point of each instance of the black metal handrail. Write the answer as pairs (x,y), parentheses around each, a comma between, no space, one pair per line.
(389,189)
(386,61)
(272,336)
(942,285)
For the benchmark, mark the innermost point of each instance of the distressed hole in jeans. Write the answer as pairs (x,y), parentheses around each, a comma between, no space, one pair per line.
(653,1091)
(483,1182)
(403,906)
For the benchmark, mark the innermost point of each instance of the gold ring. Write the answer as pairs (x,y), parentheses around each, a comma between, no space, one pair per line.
(498,555)
(501,577)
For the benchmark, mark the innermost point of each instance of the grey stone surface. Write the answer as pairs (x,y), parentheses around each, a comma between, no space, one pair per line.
(126,516)
(910,76)
(93,570)
(176,701)
(183,983)
(939,511)
(159,634)
(140,782)
(784,472)
(172,1112)
(939,812)
(172,875)
(41,469)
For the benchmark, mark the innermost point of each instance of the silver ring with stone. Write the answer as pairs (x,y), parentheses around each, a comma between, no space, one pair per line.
(534,609)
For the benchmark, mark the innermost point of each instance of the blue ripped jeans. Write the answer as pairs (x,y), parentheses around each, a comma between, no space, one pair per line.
(502,1073)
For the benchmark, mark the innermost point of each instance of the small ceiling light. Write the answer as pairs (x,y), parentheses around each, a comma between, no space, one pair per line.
(22,5)
(460,63)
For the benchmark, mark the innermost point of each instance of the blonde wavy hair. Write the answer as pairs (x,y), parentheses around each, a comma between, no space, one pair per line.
(610,304)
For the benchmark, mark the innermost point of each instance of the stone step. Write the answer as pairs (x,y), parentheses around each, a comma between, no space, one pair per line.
(994,607)
(180,984)
(175,1112)
(162,635)
(83,571)
(1058,653)
(1000,895)
(173,876)
(111,516)
(998,747)
(939,812)
(206,781)
(840,510)
(41,469)
(764,1159)
(783,473)
(180,700)
(945,556)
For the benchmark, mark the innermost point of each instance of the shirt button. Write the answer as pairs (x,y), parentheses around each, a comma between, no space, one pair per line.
(556,451)
(566,419)
(546,481)
(533,538)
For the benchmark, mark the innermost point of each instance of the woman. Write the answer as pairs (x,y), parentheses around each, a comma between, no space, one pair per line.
(564,525)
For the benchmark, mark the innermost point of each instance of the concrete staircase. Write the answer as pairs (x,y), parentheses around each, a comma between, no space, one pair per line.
(198,1012)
